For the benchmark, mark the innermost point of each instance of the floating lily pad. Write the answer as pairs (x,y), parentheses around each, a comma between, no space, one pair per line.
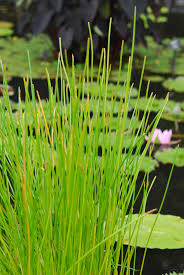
(168,232)
(171,155)
(115,90)
(129,124)
(176,84)
(154,78)
(159,56)
(6,28)
(98,105)
(173,111)
(18,110)
(14,56)
(179,117)
(148,164)
(112,138)
(5,32)
(114,75)
(158,65)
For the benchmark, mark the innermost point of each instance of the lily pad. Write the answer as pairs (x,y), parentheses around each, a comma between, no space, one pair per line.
(6,28)
(154,78)
(167,233)
(171,155)
(178,117)
(114,75)
(173,111)
(115,90)
(98,105)
(176,84)
(5,32)
(148,164)
(110,139)
(14,56)
(129,124)
(159,57)
(159,67)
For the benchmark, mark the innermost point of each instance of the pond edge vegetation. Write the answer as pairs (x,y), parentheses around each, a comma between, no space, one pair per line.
(63,208)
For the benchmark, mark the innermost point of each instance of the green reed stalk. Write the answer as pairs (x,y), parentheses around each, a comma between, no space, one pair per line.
(64,207)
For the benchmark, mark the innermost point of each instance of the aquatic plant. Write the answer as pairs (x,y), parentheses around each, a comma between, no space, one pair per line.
(170,227)
(174,273)
(176,84)
(14,55)
(164,137)
(154,136)
(170,156)
(65,205)
(6,28)
(174,111)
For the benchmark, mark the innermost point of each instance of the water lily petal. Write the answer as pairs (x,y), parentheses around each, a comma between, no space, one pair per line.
(155,135)
(165,136)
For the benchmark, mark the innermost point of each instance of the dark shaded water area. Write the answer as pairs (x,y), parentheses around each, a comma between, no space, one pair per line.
(157,261)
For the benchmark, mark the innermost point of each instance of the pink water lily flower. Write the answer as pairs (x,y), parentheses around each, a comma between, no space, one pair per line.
(163,137)
(155,135)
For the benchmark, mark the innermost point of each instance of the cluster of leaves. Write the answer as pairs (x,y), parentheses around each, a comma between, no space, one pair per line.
(68,19)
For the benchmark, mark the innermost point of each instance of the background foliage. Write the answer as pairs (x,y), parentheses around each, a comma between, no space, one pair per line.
(68,19)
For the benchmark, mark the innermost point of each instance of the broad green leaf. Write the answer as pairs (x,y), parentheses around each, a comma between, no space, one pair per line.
(114,75)
(171,155)
(5,28)
(98,105)
(173,116)
(113,123)
(159,56)
(164,10)
(112,89)
(176,84)
(14,56)
(161,19)
(167,233)
(154,78)
(147,165)
(172,112)
(113,137)
(6,32)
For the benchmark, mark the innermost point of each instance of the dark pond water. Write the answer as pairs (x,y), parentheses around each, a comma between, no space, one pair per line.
(157,261)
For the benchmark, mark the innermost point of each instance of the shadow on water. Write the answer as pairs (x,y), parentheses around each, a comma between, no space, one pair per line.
(40,85)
